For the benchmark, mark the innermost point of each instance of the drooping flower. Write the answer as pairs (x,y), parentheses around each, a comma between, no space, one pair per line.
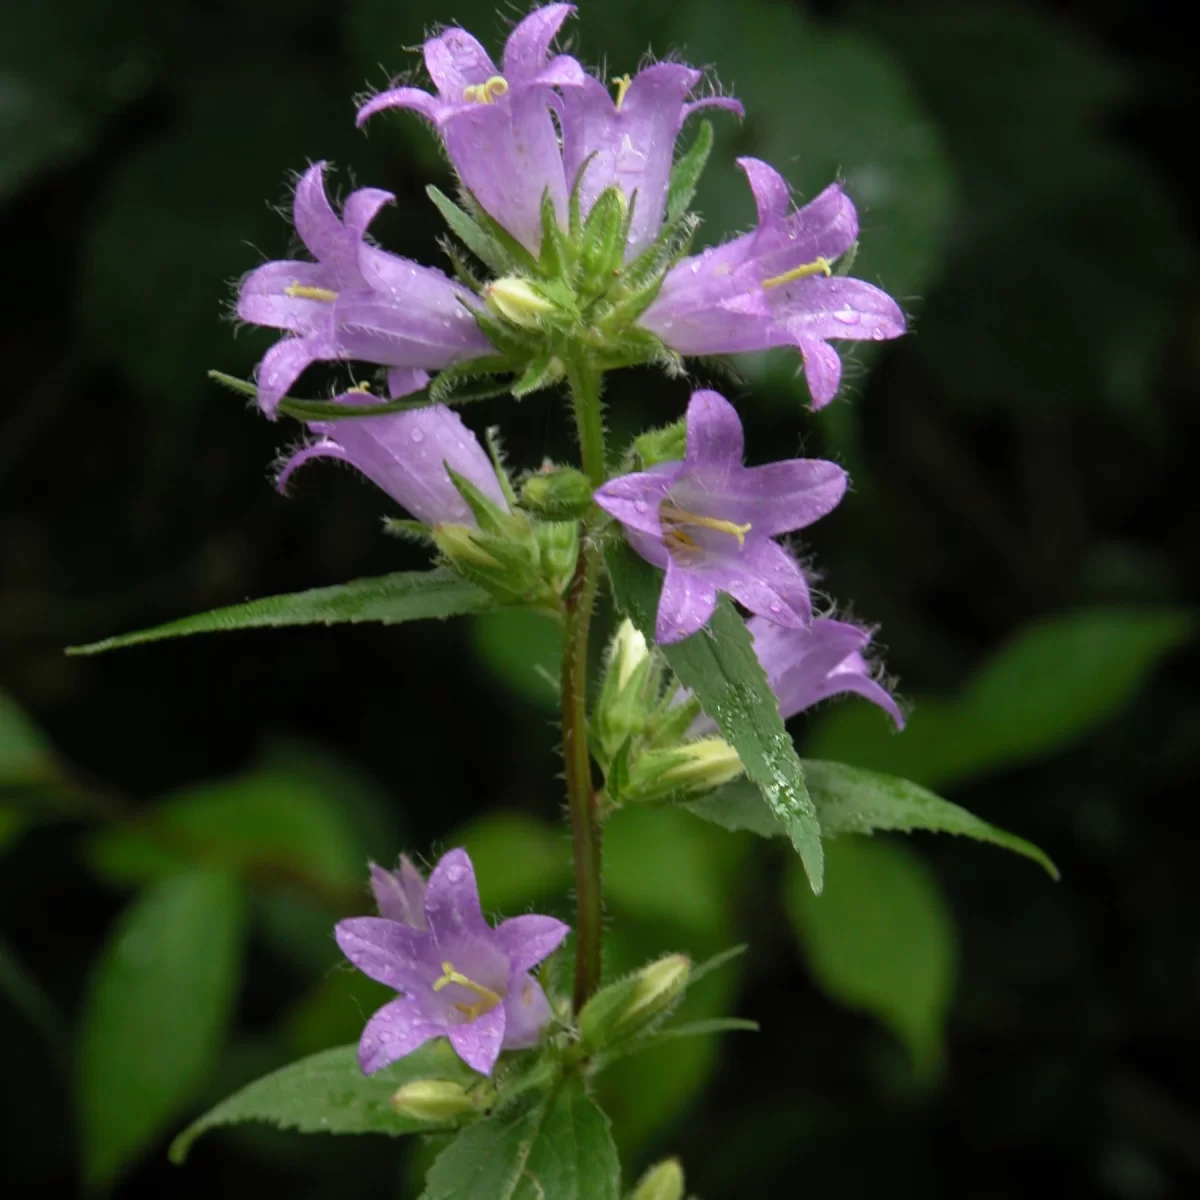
(406,454)
(497,126)
(776,287)
(629,141)
(400,894)
(355,301)
(459,978)
(805,666)
(711,522)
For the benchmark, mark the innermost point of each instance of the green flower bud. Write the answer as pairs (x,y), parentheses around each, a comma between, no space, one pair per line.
(517,300)
(664,1181)
(688,769)
(560,494)
(626,1007)
(435,1100)
(668,444)
(627,694)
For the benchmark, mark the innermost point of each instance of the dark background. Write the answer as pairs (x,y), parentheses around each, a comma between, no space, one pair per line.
(1025,176)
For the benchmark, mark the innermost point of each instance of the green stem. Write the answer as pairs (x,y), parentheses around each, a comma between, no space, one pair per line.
(581,793)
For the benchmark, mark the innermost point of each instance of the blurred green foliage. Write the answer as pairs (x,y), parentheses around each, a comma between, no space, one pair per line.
(1021,526)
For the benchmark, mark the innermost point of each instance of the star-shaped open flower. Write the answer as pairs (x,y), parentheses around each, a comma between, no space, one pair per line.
(497,126)
(459,977)
(805,666)
(776,287)
(406,454)
(355,301)
(711,522)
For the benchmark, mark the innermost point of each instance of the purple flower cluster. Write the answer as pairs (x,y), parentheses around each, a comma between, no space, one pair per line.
(500,128)
(458,977)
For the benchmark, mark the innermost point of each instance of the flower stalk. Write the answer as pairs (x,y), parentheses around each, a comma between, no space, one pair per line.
(581,792)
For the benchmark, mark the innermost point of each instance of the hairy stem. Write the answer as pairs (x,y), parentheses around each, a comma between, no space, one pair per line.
(581,794)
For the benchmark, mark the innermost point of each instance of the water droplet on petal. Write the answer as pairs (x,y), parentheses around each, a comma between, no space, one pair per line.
(846,316)
(640,506)
(417,435)
(878,334)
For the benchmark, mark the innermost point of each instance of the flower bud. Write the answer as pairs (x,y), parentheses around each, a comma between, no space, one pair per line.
(560,494)
(664,1181)
(627,652)
(681,771)
(434,1100)
(624,1008)
(668,444)
(517,300)
(627,694)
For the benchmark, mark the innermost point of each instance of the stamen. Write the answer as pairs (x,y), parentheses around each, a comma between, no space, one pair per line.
(487,998)
(486,92)
(363,387)
(623,83)
(673,516)
(819,266)
(302,291)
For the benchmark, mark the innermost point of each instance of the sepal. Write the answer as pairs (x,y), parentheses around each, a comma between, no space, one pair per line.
(602,243)
(668,444)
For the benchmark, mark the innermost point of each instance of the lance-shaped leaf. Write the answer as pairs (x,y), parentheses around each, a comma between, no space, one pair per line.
(719,667)
(853,800)
(389,599)
(558,1146)
(328,1093)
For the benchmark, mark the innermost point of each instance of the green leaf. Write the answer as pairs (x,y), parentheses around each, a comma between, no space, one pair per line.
(155,1014)
(881,940)
(1053,683)
(328,1093)
(389,599)
(685,174)
(558,1147)
(719,666)
(467,230)
(853,800)
(273,824)
(524,649)
(543,372)
(26,756)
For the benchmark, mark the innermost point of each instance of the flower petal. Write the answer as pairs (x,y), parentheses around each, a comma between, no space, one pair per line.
(527,1013)
(452,899)
(406,455)
(634,499)
(430,107)
(714,431)
(281,366)
(313,215)
(325,448)
(787,495)
(264,297)
(400,894)
(687,601)
(728,103)
(478,1042)
(388,952)
(528,46)
(822,369)
(854,675)
(507,155)
(772,195)
(838,308)
(375,328)
(527,940)
(395,1031)
(768,581)
(825,227)
(456,61)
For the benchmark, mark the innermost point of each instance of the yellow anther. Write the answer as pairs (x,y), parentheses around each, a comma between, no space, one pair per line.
(302,291)
(487,998)
(365,388)
(673,517)
(623,83)
(486,92)
(819,266)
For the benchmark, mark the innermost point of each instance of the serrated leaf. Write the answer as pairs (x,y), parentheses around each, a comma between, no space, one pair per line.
(685,174)
(389,599)
(271,821)
(553,1148)
(328,1093)
(718,665)
(1054,682)
(854,800)
(881,940)
(157,1005)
